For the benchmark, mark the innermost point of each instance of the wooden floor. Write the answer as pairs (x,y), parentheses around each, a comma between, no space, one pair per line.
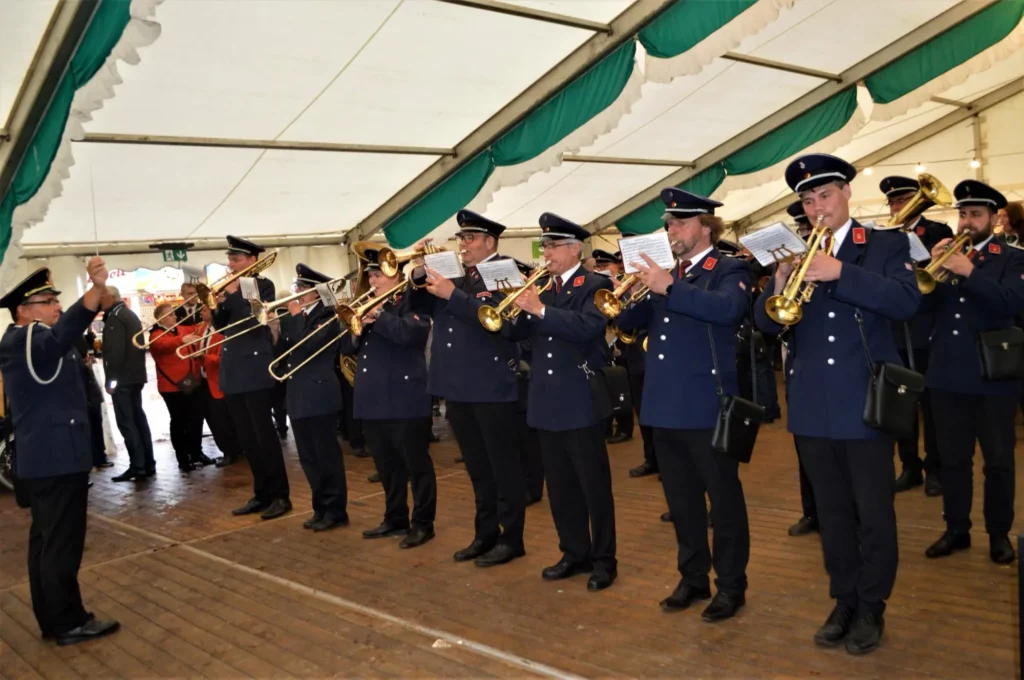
(202,593)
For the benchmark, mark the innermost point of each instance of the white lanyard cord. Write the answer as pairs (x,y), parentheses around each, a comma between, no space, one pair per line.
(28,357)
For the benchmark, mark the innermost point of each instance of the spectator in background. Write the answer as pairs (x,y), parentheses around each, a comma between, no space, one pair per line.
(124,368)
(189,312)
(94,401)
(1012,219)
(209,396)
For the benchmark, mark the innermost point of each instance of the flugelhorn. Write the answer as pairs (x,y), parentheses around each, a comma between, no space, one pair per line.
(492,318)
(609,302)
(787,309)
(351,315)
(207,296)
(391,262)
(931,275)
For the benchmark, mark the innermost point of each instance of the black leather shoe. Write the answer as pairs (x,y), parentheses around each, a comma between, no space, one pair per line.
(128,476)
(932,485)
(908,479)
(836,627)
(643,470)
(252,506)
(865,634)
(386,529)
(723,606)
(308,524)
(105,464)
(948,544)
(666,517)
(90,630)
(566,568)
(360,452)
(1000,549)
(374,478)
(278,507)
(499,554)
(224,461)
(202,460)
(683,597)
(806,525)
(601,578)
(330,522)
(473,551)
(460,459)
(531,500)
(417,537)
(619,438)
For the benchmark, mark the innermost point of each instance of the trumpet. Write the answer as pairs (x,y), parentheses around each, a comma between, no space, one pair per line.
(933,274)
(786,309)
(207,296)
(492,318)
(625,337)
(351,315)
(609,302)
(391,262)
(325,324)
(348,369)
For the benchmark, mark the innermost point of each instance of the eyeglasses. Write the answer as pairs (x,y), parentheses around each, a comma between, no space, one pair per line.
(49,303)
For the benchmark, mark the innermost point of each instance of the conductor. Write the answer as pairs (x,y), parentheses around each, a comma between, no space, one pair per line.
(51,425)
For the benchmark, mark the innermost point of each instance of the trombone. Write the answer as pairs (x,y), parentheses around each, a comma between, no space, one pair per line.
(351,314)
(325,324)
(207,296)
(609,302)
(786,309)
(933,274)
(492,318)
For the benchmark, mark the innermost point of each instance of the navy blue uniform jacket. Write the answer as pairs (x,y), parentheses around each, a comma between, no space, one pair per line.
(680,389)
(468,363)
(923,322)
(244,361)
(315,389)
(829,375)
(391,364)
(571,332)
(51,422)
(988,299)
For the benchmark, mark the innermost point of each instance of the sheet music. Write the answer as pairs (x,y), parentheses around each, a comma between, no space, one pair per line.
(917,248)
(655,245)
(500,274)
(773,243)
(446,264)
(250,289)
(329,294)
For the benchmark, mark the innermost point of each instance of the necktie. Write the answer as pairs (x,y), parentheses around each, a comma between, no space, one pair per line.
(826,244)
(558,285)
(683,266)
(971,254)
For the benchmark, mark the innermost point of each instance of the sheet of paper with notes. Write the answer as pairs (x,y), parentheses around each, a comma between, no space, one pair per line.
(500,274)
(773,243)
(656,246)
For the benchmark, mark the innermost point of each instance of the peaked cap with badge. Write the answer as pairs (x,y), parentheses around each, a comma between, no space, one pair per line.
(556,228)
(309,277)
(470,221)
(35,283)
(796,211)
(605,257)
(679,203)
(896,185)
(971,192)
(817,169)
(241,246)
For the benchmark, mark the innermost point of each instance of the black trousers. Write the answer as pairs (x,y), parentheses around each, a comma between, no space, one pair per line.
(250,414)
(962,419)
(853,489)
(689,468)
(351,429)
(134,427)
(620,424)
(907,448)
(806,490)
(532,459)
(580,492)
(488,437)
(321,460)
(280,395)
(636,391)
(401,453)
(215,413)
(99,442)
(55,544)
(186,425)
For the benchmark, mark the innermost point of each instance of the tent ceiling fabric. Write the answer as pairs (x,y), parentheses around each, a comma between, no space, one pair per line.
(22,28)
(427,73)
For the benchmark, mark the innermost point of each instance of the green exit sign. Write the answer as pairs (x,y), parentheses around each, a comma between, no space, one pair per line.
(176,255)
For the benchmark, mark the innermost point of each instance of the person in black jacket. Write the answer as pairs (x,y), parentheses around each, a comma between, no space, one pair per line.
(94,399)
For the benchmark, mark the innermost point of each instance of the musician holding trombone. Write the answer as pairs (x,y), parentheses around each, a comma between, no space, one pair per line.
(864,281)
(566,332)
(392,403)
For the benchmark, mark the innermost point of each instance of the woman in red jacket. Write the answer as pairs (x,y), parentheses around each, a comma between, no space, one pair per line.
(182,404)
(209,397)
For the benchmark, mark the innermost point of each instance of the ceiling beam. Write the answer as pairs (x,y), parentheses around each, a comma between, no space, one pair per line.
(951,102)
(780,66)
(623,28)
(59,42)
(928,131)
(279,145)
(909,42)
(613,160)
(535,14)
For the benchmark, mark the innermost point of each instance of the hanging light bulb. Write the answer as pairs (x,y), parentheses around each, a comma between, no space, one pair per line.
(975,163)
(868,171)
(919,168)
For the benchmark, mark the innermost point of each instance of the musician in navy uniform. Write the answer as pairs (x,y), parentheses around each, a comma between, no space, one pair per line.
(391,401)
(248,387)
(314,398)
(849,463)
(984,292)
(706,293)
(566,331)
(808,522)
(898,192)
(48,405)
(475,372)
(619,427)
